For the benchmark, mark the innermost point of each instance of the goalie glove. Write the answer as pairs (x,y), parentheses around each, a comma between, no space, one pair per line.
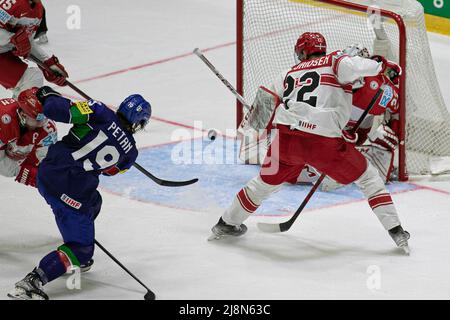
(384,137)
(27,175)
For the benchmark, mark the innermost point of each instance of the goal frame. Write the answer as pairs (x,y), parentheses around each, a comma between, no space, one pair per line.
(403,174)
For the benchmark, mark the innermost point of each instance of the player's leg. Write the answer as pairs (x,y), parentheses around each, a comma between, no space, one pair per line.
(16,76)
(274,173)
(12,69)
(345,164)
(78,232)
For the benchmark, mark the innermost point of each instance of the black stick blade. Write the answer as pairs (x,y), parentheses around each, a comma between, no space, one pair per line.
(177,183)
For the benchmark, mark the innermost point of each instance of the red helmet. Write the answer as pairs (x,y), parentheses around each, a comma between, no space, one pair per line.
(30,104)
(31,107)
(310,43)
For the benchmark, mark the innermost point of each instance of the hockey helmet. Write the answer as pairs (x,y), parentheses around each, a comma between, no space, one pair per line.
(310,43)
(30,109)
(136,111)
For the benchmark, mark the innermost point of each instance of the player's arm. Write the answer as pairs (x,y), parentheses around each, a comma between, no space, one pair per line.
(122,166)
(349,69)
(60,109)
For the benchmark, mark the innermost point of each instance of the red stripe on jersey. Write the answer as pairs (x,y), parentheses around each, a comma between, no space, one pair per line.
(380,200)
(337,62)
(336,86)
(245,202)
(330,79)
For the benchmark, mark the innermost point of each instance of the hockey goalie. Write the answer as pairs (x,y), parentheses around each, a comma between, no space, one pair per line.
(376,138)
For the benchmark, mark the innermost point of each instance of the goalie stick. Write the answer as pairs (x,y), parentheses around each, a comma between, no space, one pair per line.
(161,182)
(285,226)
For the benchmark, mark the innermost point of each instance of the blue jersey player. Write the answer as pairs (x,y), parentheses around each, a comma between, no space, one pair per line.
(99,142)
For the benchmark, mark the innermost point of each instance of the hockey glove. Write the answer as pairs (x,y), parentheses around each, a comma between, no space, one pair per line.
(112,171)
(58,74)
(350,137)
(385,138)
(21,41)
(43,93)
(27,175)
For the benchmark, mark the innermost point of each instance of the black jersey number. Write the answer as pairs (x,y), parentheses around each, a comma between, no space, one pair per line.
(308,82)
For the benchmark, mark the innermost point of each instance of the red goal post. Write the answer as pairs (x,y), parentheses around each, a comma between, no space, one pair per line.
(343,7)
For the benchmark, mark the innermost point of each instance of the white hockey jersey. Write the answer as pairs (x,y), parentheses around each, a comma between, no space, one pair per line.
(16,14)
(317,93)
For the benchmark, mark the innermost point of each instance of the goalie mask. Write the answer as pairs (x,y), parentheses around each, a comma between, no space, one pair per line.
(30,110)
(357,50)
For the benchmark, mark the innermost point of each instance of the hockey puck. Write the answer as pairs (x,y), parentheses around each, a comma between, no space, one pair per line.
(212,134)
(149,296)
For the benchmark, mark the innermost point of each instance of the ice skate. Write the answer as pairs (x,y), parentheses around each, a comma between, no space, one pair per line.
(30,288)
(400,238)
(222,230)
(86,267)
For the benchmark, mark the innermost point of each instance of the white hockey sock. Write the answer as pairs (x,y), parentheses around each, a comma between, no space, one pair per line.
(248,200)
(379,198)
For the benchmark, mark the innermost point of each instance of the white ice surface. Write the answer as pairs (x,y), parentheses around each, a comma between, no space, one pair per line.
(327,253)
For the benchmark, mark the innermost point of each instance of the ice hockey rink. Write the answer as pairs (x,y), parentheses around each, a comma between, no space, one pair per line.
(337,249)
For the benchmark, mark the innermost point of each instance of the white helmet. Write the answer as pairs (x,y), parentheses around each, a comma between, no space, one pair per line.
(357,49)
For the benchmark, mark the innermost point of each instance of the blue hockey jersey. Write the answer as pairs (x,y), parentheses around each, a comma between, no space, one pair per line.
(96,141)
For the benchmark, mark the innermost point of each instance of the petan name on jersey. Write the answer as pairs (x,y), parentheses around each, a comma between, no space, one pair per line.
(121,137)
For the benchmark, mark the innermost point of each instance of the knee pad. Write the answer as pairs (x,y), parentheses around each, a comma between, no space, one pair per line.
(75,254)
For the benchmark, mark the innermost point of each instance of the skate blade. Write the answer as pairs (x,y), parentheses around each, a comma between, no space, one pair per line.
(15,296)
(213,237)
(406,250)
(21,295)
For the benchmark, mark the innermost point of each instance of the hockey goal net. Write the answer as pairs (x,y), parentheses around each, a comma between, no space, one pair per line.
(268,29)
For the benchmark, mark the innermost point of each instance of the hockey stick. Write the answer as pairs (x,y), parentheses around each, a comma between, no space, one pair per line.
(230,87)
(161,182)
(285,226)
(149,295)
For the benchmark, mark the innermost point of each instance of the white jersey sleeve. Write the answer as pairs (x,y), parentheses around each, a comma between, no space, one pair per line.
(349,69)
(38,52)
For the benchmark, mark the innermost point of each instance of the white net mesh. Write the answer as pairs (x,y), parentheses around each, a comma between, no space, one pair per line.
(271,28)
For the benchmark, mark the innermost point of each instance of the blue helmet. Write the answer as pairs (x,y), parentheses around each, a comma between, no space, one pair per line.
(136,110)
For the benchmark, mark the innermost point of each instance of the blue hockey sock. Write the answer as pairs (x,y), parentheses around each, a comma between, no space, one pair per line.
(57,263)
